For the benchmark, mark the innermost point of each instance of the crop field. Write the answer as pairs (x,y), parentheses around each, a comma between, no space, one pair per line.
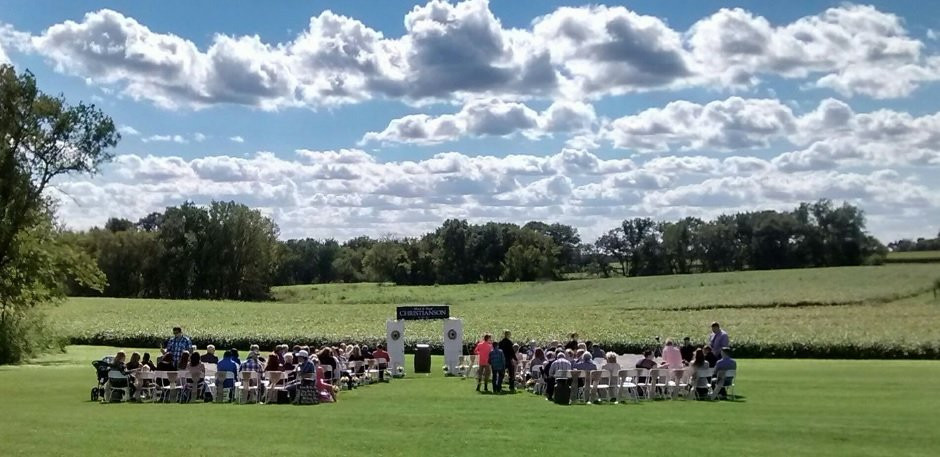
(913,257)
(857,312)
(784,408)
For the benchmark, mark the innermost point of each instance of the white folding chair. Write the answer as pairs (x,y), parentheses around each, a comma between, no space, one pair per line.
(146,384)
(189,386)
(643,382)
(703,378)
(115,376)
(681,380)
(659,381)
(577,393)
(539,386)
(382,365)
(628,383)
(474,367)
(211,370)
(223,394)
(249,386)
(172,387)
(372,369)
(593,387)
(277,381)
(724,380)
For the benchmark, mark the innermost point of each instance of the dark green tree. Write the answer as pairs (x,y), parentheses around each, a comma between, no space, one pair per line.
(43,138)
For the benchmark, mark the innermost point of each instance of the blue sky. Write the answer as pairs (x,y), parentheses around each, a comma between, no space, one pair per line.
(384,118)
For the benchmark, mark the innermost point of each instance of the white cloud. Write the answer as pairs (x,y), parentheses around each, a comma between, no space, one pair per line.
(722,125)
(856,50)
(199,137)
(343,193)
(462,51)
(487,117)
(612,49)
(165,138)
(127,130)
(932,34)
(237,139)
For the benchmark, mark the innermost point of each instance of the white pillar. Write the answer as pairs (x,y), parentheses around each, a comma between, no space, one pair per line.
(395,340)
(453,343)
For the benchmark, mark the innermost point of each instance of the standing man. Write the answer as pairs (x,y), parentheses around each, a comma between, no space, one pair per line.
(509,354)
(718,339)
(572,342)
(687,350)
(498,364)
(482,352)
(178,344)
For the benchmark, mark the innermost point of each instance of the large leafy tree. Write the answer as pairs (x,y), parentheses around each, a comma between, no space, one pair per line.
(43,138)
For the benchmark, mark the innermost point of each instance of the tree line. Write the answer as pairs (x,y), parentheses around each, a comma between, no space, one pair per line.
(921,244)
(230,251)
(224,251)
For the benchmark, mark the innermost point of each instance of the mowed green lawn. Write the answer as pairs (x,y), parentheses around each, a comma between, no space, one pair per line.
(787,408)
(851,309)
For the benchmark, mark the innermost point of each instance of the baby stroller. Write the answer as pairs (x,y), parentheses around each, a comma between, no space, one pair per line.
(101,369)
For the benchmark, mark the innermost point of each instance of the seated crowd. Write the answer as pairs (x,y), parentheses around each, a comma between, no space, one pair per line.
(293,368)
(542,366)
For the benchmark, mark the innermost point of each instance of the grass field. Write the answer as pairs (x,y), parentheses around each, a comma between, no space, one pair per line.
(913,257)
(836,312)
(789,408)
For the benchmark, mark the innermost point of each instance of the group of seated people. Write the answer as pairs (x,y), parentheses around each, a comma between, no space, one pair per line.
(323,369)
(581,356)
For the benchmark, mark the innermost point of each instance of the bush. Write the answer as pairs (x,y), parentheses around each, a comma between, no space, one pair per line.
(874,259)
(25,333)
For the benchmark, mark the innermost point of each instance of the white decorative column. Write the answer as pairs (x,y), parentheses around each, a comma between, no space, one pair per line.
(395,340)
(453,343)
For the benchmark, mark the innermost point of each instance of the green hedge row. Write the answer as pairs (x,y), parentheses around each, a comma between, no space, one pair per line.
(742,350)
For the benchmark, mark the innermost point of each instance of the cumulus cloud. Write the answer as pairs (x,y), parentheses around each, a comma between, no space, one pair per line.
(826,137)
(236,139)
(165,138)
(853,49)
(463,50)
(612,50)
(127,130)
(487,117)
(349,191)
(723,125)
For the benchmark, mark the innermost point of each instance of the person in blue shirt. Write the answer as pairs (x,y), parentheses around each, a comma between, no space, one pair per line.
(723,365)
(228,364)
(305,366)
(177,344)
(498,364)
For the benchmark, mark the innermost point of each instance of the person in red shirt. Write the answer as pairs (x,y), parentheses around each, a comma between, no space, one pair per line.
(483,355)
(379,353)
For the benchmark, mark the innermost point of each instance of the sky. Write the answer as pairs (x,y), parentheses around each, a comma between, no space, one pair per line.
(385,118)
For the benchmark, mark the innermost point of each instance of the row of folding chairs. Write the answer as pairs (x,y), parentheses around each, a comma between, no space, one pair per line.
(589,386)
(369,366)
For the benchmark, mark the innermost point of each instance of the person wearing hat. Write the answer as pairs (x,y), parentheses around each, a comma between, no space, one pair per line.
(305,367)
